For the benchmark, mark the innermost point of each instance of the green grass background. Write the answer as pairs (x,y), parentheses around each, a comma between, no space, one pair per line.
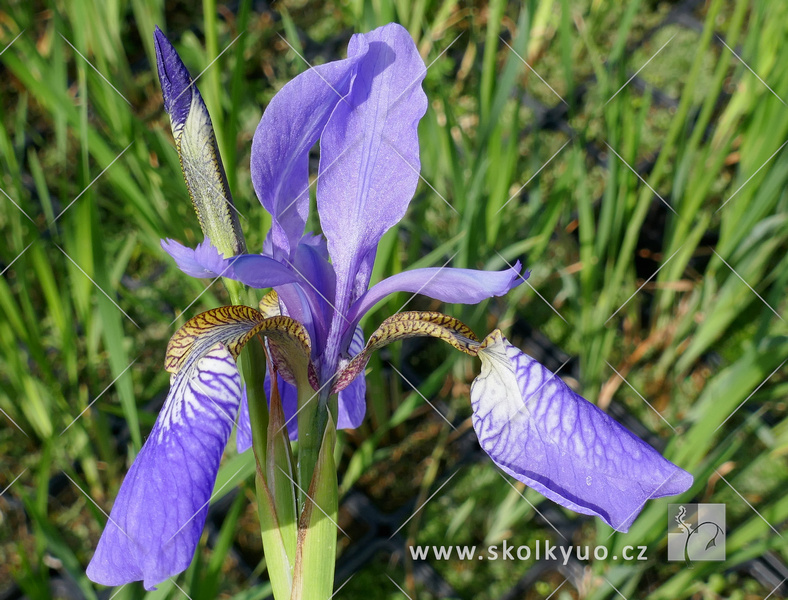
(88,299)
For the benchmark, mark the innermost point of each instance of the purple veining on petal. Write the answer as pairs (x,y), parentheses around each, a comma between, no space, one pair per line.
(540,432)
(160,511)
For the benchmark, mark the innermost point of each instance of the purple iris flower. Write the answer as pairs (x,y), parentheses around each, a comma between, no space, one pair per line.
(364,111)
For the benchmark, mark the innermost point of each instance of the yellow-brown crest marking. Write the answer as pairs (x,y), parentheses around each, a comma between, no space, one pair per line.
(269,305)
(407,325)
(234,326)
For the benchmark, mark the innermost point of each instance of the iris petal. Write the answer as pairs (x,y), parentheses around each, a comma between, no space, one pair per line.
(456,286)
(352,399)
(541,433)
(160,511)
(369,154)
(289,128)
(204,261)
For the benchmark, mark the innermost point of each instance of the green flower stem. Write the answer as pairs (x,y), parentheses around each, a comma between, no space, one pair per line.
(238,292)
(253,371)
(313,576)
(309,437)
(314,408)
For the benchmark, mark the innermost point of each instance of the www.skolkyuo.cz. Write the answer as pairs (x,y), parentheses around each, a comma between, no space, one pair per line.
(540,550)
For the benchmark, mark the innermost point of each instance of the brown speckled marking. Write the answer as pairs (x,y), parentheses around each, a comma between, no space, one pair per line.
(234,326)
(407,325)
(230,325)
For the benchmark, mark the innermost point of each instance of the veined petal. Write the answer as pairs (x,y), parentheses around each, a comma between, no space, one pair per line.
(456,286)
(541,433)
(234,326)
(196,144)
(160,511)
(369,154)
(291,125)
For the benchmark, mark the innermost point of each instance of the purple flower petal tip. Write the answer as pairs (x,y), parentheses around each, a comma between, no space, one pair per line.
(454,286)
(160,511)
(541,433)
(203,262)
(174,77)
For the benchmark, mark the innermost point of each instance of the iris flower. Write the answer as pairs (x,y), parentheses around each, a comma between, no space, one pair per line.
(364,112)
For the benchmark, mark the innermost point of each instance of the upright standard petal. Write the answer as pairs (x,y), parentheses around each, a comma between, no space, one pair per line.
(460,286)
(160,511)
(369,155)
(541,433)
(196,144)
(290,126)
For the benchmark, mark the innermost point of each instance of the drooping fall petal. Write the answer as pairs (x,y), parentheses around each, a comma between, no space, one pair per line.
(542,433)
(159,514)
